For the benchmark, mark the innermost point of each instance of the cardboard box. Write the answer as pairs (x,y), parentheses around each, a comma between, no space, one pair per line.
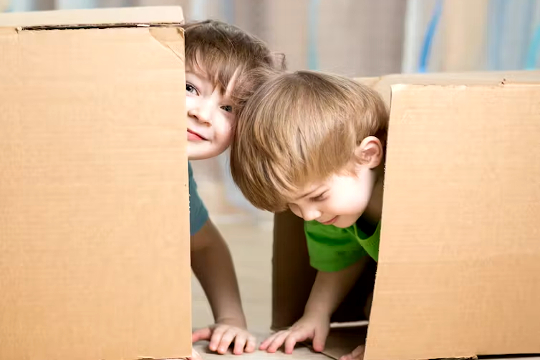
(459,264)
(94,230)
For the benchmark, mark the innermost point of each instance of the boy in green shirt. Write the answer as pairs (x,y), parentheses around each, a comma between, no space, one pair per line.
(314,143)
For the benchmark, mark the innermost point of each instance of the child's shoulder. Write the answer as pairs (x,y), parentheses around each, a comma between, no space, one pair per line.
(190,172)
(191,181)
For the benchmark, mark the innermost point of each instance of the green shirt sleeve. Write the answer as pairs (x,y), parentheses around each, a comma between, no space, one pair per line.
(331,248)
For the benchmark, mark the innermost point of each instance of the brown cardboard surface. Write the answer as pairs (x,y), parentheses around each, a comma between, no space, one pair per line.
(128,15)
(459,264)
(94,231)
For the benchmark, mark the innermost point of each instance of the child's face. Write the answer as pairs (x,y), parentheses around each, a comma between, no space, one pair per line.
(210,117)
(344,197)
(338,201)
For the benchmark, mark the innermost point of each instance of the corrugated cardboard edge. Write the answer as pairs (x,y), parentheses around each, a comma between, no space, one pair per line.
(452,77)
(383,84)
(152,15)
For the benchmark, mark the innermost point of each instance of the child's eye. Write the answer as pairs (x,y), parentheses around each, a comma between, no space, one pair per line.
(318,198)
(227,108)
(191,89)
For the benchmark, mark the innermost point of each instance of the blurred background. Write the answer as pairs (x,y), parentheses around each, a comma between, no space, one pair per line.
(356,38)
(367,37)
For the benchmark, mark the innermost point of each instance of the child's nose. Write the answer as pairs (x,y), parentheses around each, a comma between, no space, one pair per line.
(310,214)
(202,113)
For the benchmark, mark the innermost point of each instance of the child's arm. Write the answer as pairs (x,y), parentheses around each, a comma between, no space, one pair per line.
(212,264)
(329,290)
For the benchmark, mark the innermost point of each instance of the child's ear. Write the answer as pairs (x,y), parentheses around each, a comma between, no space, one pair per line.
(370,152)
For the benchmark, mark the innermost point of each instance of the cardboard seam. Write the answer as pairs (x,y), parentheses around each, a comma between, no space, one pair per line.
(97,26)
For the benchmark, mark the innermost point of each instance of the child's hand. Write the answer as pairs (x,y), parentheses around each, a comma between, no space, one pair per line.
(308,327)
(195,355)
(357,354)
(221,336)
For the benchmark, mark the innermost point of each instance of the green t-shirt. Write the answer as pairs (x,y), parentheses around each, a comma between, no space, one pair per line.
(333,249)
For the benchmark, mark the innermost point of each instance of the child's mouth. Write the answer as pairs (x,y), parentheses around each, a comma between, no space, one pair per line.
(193,136)
(330,222)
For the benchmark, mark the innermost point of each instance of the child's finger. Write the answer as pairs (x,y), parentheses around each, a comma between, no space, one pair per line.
(358,353)
(216,337)
(239,343)
(268,341)
(278,341)
(319,339)
(226,340)
(251,344)
(292,339)
(195,355)
(201,334)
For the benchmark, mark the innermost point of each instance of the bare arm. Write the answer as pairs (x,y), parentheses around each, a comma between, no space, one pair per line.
(330,288)
(212,264)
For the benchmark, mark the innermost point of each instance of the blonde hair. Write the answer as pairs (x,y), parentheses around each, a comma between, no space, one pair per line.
(222,51)
(298,128)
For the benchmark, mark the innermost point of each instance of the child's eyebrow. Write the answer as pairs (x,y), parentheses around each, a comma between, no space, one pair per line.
(197,75)
(309,193)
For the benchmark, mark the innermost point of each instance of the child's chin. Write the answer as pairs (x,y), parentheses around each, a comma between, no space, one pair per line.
(344,222)
(199,153)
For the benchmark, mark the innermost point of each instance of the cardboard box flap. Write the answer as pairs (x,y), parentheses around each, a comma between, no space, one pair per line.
(383,83)
(158,15)
(459,264)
